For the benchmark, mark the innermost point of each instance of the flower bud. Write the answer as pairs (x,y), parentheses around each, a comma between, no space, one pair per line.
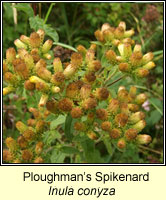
(147,57)
(35,54)
(115,133)
(99,36)
(10,78)
(57,65)
(89,103)
(136,59)
(141,72)
(8,90)
(29,86)
(125,50)
(129,33)
(119,32)
(39,147)
(22,53)
(28,59)
(76,59)
(22,142)
(90,56)
(131,134)
(137,48)
(79,126)
(35,112)
(20,44)
(111,56)
(108,35)
(85,91)
(143,139)
(121,144)
(41,34)
(124,67)
(35,79)
(47,46)
(133,107)
(76,112)
(52,106)
(128,40)
(34,40)
(102,114)
(43,100)
(115,42)
(136,117)
(21,127)
(102,93)
(106,126)
(55,89)
(139,126)
(121,119)
(44,73)
(65,105)
(141,98)
(42,87)
(10,54)
(113,106)
(123,96)
(82,50)
(123,25)
(11,143)
(89,77)
(7,155)
(25,39)
(92,135)
(58,78)
(72,90)
(28,135)
(93,47)
(27,155)
(31,122)
(95,65)
(150,65)
(47,56)
(105,26)
(39,160)
(133,91)
(69,71)
(40,126)
(124,108)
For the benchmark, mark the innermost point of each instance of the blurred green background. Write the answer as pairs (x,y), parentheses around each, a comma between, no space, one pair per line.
(75,24)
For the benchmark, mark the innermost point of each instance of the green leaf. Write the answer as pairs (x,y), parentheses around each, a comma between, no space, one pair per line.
(56,122)
(65,46)
(38,23)
(158,104)
(25,7)
(68,123)
(154,118)
(97,43)
(57,157)
(69,150)
(50,136)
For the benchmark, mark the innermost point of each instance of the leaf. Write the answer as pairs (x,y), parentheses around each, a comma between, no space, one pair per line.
(154,118)
(38,23)
(97,43)
(50,136)
(25,7)
(56,122)
(69,150)
(65,46)
(57,157)
(157,104)
(68,123)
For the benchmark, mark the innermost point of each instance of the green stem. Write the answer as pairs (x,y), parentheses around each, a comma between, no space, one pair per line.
(116,80)
(66,23)
(108,145)
(48,12)
(113,73)
(157,108)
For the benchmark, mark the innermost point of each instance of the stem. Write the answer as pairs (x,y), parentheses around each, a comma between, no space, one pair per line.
(151,91)
(108,145)
(148,149)
(113,73)
(157,108)
(48,12)
(66,23)
(116,80)
(40,5)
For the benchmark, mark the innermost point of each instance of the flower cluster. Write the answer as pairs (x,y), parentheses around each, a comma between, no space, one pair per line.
(76,88)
